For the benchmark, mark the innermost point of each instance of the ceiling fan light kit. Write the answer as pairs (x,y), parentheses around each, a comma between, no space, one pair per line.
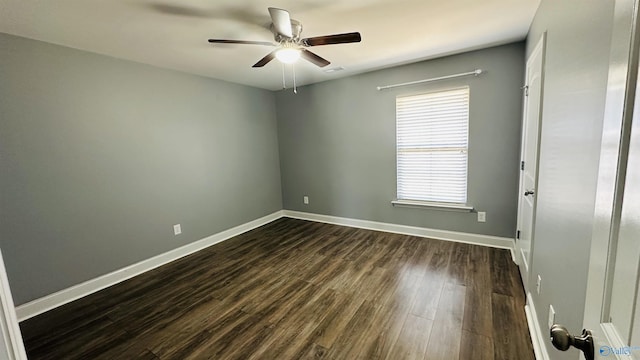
(288,55)
(290,47)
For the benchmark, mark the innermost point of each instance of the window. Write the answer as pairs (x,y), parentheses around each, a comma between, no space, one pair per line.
(432,133)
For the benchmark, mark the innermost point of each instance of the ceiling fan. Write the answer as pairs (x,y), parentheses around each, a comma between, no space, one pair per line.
(290,47)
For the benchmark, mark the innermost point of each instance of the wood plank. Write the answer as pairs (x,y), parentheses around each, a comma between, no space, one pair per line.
(477,347)
(250,330)
(501,266)
(334,324)
(509,318)
(386,325)
(349,344)
(429,287)
(458,264)
(444,342)
(478,268)
(126,350)
(478,313)
(412,340)
(299,326)
(88,342)
(313,352)
(427,297)
(397,288)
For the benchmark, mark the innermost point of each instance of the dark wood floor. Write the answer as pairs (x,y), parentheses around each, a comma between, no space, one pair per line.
(295,290)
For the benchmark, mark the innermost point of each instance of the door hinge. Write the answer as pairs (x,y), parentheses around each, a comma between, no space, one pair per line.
(518,234)
(522,165)
(526,90)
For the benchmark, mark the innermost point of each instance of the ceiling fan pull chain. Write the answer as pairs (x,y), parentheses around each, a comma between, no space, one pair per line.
(284,84)
(293,67)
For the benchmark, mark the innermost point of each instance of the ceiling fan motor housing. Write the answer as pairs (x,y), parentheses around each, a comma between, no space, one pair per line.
(296,30)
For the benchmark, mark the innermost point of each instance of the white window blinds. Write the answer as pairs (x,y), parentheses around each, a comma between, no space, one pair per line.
(432,133)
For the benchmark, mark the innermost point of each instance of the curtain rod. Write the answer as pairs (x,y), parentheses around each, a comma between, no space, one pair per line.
(475,72)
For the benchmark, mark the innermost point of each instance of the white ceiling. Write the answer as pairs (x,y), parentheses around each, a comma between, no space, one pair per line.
(173,33)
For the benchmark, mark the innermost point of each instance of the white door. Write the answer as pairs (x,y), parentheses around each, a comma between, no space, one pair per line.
(529,158)
(612,308)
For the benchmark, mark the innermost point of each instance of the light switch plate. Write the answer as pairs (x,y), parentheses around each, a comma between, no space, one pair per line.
(177,230)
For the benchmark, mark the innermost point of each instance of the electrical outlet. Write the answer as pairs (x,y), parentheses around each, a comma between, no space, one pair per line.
(552,316)
(482,216)
(177,230)
(538,284)
(305,200)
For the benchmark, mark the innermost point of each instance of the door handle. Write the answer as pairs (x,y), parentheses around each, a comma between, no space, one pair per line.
(529,192)
(563,340)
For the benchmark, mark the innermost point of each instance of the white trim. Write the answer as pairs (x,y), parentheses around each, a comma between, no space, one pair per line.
(538,340)
(11,336)
(476,239)
(432,205)
(614,341)
(38,306)
(523,260)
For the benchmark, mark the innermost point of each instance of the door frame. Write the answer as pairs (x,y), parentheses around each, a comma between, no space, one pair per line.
(11,338)
(618,117)
(520,260)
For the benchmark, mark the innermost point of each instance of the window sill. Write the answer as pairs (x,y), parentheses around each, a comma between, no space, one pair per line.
(432,205)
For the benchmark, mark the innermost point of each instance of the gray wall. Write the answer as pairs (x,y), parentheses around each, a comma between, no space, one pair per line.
(578,34)
(100,157)
(337,142)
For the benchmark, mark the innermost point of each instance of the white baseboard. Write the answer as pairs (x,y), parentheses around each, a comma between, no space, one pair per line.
(475,239)
(43,304)
(38,306)
(538,339)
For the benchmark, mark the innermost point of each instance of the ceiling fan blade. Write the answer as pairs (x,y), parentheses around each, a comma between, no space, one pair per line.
(332,39)
(281,21)
(312,57)
(265,60)
(244,42)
